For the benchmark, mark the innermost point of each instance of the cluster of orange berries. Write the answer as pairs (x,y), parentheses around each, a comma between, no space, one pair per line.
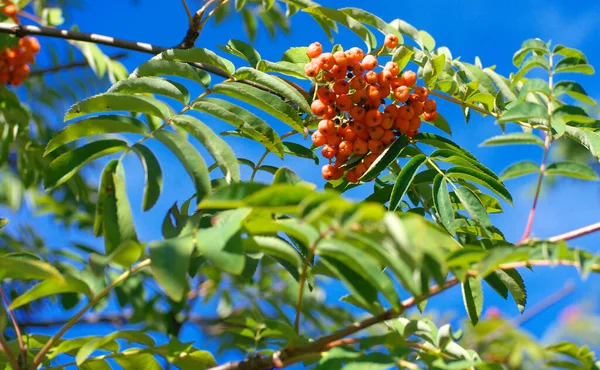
(357,120)
(14,61)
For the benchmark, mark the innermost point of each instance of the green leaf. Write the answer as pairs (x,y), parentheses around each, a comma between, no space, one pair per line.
(249,23)
(152,85)
(3,222)
(274,83)
(48,288)
(442,203)
(286,68)
(157,67)
(298,150)
(199,55)
(514,138)
(373,20)
(572,169)
(574,90)
(242,50)
(95,126)
(19,268)
(524,111)
(460,158)
(404,180)
(389,156)
(441,123)
(573,65)
(475,73)
(473,298)
(165,255)
(117,221)
(296,55)
(428,40)
(474,207)
(153,176)
(216,146)
(239,5)
(480,178)
(190,158)
(111,102)
(531,63)
(62,168)
(534,85)
(408,30)
(276,247)
(532,45)
(347,21)
(245,121)
(587,138)
(94,344)
(502,84)
(433,68)
(519,169)
(142,361)
(402,56)
(263,100)
(516,286)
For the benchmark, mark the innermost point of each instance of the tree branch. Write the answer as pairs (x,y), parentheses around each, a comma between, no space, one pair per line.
(576,233)
(63,67)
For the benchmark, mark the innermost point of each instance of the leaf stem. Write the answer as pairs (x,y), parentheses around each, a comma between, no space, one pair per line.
(92,302)
(15,324)
(576,233)
(266,153)
(4,348)
(188,13)
(462,103)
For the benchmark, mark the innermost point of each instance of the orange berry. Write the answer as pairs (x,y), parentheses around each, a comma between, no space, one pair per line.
(411,133)
(323,94)
(375,146)
(360,147)
(392,110)
(341,87)
(329,152)
(358,83)
(330,112)
(10,10)
(371,77)
(326,127)
(344,103)
(358,113)
(387,121)
(4,78)
(328,172)
(396,82)
(418,107)
(318,139)
(360,169)
(373,92)
(312,69)
(30,44)
(314,50)
(385,77)
(318,107)
(373,118)
(350,134)
(393,68)
(384,91)
(328,77)
(421,92)
(401,94)
(401,124)
(388,137)
(351,176)
(409,78)
(333,140)
(372,104)
(369,62)
(430,117)
(340,58)
(391,40)
(429,106)
(414,123)
(340,160)
(376,132)
(339,73)
(406,112)
(358,52)
(370,159)
(328,61)
(358,69)
(346,148)
(359,97)
(350,56)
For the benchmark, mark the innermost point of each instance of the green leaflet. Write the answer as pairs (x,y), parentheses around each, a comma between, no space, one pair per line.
(216,146)
(95,126)
(245,121)
(480,178)
(190,158)
(404,180)
(165,255)
(389,155)
(199,55)
(19,268)
(473,298)
(157,67)
(153,173)
(242,50)
(514,138)
(519,169)
(62,168)
(47,288)
(442,203)
(572,169)
(111,102)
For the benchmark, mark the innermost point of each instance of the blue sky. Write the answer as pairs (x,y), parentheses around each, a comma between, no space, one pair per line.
(492,30)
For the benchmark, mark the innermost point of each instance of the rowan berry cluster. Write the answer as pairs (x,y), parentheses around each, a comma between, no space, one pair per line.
(364,106)
(14,61)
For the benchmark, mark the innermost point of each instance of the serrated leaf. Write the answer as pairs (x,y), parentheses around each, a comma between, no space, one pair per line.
(473,298)
(572,169)
(152,85)
(535,61)
(408,30)
(534,85)
(516,286)
(274,246)
(372,20)
(514,138)
(524,111)
(573,65)
(502,84)
(587,138)
(165,255)
(404,180)
(443,204)
(111,102)
(428,40)
(239,5)
(157,67)
(153,174)
(199,55)
(243,50)
(298,150)
(275,84)
(285,68)
(433,68)
(389,155)
(216,146)
(141,361)
(480,178)
(402,56)
(48,288)
(95,126)
(265,101)
(474,207)
(519,169)
(19,268)
(63,167)
(574,90)
(475,73)
(190,158)
(242,119)
(92,345)
(347,21)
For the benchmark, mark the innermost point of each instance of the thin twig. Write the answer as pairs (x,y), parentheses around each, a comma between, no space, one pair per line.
(13,319)
(92,302)
(4,348)
(576,233)
(462,103)
(188,12)
(63,67)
